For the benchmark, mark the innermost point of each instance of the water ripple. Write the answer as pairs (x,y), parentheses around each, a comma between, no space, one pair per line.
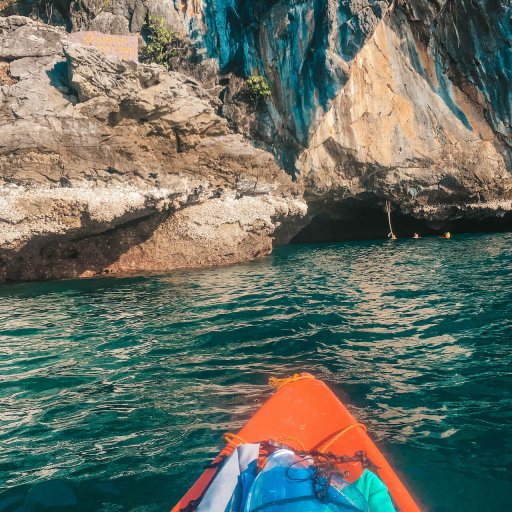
(115,392)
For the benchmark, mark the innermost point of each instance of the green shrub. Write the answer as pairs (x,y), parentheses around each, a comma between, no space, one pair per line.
(258,87)
(164,45)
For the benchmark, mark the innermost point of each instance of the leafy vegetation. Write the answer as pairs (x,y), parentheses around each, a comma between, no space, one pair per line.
(164,45)
(258,87)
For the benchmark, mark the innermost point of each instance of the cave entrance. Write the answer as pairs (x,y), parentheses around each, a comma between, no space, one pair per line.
(366,219)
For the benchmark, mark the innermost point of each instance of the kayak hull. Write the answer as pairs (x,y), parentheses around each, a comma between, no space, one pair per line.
(306,415)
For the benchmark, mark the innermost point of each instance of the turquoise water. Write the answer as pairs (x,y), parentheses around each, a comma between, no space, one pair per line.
(115,392)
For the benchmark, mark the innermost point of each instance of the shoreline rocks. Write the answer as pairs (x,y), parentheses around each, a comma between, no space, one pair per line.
(112,166)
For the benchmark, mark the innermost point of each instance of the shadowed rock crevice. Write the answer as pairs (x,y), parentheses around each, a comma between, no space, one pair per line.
(365,218)
(57,257)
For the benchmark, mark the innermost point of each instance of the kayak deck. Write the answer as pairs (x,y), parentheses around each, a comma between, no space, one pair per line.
(306,415)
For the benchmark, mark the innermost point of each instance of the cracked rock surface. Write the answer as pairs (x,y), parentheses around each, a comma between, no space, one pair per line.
(405,100)
(112,166)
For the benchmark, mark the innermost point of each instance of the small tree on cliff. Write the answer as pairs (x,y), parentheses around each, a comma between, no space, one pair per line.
(258,87)
(164,45)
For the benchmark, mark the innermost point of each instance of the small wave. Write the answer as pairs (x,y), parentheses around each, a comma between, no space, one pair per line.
(115,392)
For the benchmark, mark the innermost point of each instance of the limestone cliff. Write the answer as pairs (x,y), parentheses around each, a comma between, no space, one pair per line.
(400,129)
(407,100)
(112,166)
(372,100)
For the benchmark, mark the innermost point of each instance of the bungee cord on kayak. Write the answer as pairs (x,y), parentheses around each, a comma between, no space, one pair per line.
(235,440)
(342,433)
(278,383)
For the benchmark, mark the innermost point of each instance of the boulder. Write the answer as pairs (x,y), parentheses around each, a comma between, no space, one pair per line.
(100,157)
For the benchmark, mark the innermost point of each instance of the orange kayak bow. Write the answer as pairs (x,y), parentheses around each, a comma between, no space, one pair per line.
(306,415)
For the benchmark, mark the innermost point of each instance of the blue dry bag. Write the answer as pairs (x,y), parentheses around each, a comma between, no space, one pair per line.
(290,482)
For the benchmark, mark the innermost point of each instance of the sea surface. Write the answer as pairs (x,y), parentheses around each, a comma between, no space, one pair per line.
(115,392)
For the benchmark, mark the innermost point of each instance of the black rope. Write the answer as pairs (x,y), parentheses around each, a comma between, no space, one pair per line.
(323,471)
(359,456)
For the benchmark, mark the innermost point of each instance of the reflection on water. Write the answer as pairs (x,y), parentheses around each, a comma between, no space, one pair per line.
(115,392)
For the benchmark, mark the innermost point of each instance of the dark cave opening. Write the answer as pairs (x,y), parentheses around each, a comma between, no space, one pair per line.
(366,220)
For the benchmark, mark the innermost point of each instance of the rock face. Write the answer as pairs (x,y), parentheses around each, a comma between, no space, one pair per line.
(398,101)
(400,130)
(409,101)
(474,43)
(112,166)
(372,101)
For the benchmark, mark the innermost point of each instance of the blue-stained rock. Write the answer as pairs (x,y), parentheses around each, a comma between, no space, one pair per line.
(301,47)
(305,48)
(474,38)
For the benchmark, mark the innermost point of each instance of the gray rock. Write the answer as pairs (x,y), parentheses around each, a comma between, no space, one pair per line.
(473,40)
(112,166)
(23,37)
(400,130)
(407,101)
